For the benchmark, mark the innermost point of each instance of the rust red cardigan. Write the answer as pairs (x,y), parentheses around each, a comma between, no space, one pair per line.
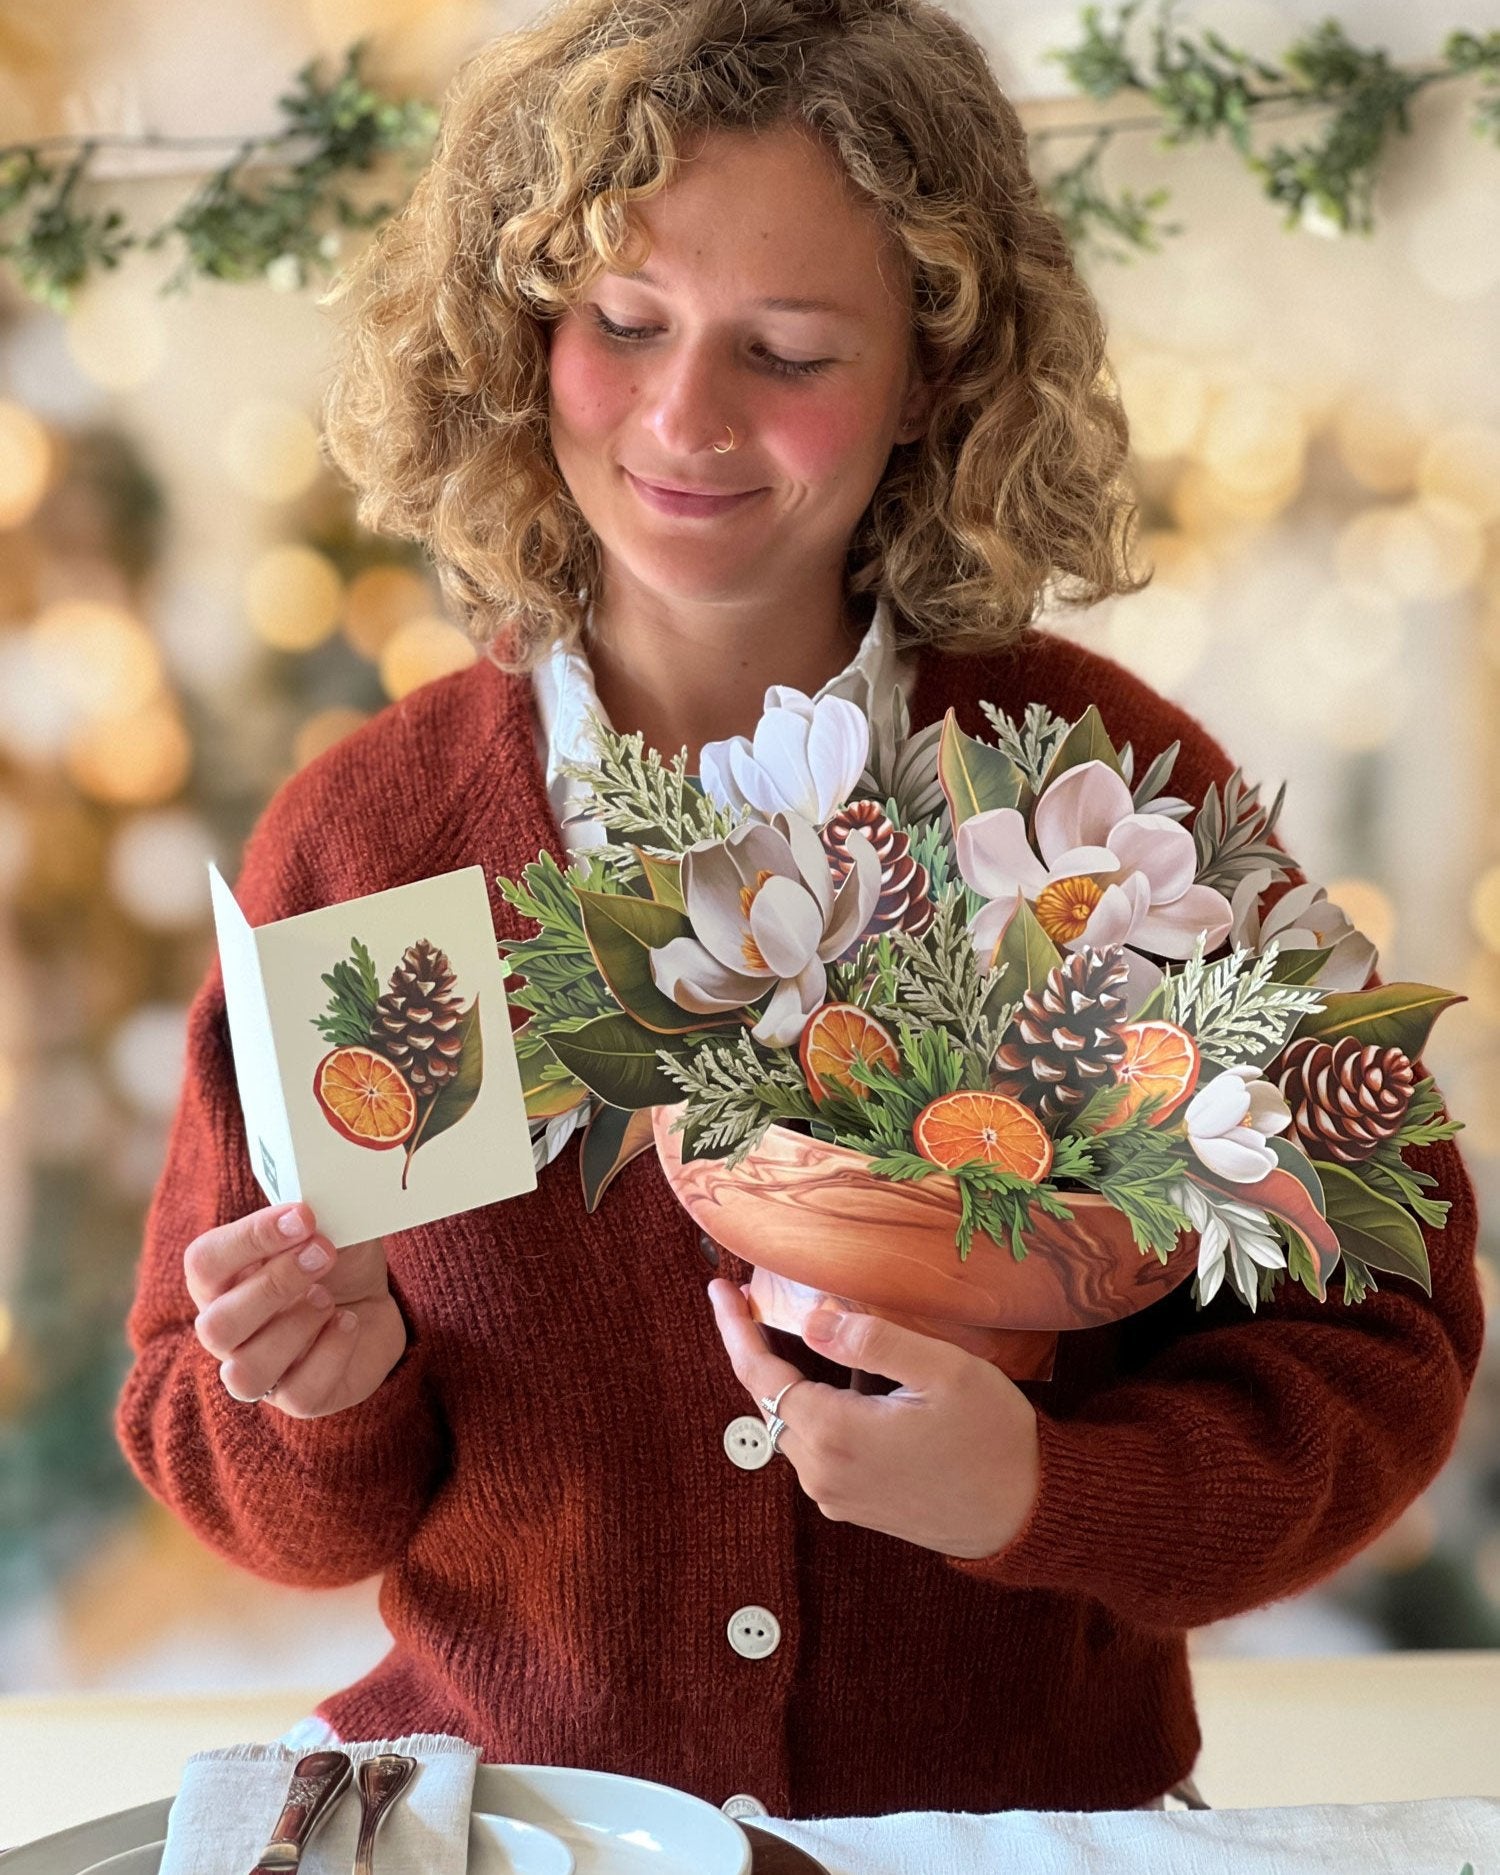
(542,1480)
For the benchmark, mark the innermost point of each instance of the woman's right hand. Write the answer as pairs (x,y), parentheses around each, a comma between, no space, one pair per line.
(324,1338)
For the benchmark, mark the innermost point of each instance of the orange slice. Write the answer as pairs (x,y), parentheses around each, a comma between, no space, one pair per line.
(956,1129)
(366,1099)
(838,1034)
(1159,1058)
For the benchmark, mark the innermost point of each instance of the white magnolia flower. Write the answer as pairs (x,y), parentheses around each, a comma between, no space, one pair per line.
(1303,919)
(805,759)
(1233,1238)
(765,916)
(1229,1120)
(1100,874)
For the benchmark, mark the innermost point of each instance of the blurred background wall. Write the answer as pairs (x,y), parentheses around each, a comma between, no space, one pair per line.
(187,614)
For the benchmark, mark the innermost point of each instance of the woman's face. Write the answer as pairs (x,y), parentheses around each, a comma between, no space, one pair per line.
(815,398)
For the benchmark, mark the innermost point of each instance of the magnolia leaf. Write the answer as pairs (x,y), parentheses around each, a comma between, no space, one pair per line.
(975,777)
(454,1099)
(612,1138)
(546,1085)
(1025,955)
(1291,1158)
(1298,966)
(615,1058)
(663,878)
(1374,1228)
(1397,1015)
(1087,741)
(1284,1195)
(621,933)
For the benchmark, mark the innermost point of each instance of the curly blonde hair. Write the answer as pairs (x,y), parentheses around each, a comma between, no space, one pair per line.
(438,408)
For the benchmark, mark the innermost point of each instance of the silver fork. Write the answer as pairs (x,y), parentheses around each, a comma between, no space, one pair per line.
(381,1780)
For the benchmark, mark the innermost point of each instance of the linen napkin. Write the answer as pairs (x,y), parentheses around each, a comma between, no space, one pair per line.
(229,1800)
(1431,1837)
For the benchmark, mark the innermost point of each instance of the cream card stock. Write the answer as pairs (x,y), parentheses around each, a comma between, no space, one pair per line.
(373,1054)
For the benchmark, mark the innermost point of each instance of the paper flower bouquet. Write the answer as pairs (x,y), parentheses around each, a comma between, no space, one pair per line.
(991,1037)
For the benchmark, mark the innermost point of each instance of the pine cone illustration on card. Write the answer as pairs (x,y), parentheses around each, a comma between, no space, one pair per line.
(416,1021)
(406,1062)
(1346,1098)
(1066,1040)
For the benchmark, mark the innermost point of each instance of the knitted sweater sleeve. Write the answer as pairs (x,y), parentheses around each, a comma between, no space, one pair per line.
(317,1502)
(1244,1457)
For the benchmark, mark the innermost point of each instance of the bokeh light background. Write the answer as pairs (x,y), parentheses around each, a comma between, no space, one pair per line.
(187,615)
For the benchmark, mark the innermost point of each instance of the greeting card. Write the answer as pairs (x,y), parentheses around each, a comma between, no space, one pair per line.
(373,1054)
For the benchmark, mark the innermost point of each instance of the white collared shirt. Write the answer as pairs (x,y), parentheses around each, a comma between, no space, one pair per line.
(563,686)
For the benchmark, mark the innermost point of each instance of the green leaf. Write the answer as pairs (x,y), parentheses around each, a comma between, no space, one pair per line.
(615,1058)
(612,1138)
(1087,741)
(1025,956)
(546,1085)
(1291,1158)
(1297,966)
(664,877)
(1397,1015)
(455,1097)
(975,777)
(621,933)
(1375,1229)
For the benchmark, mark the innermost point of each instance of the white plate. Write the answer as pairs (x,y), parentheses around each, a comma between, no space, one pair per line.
(611,1826)
(499,1845)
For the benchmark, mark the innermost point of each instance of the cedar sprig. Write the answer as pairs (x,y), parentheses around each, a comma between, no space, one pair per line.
(655,801)
(1031,743)
(1232,1008)
(995,1202)
(735,1090)
(562,983)
(1387,1172)
(935,978)
(1134,1166)
(350,1016)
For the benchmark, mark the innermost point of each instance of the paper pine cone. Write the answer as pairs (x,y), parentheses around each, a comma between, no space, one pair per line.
(1065,1042)
(1346,1097)
(416,1020)
(903,903)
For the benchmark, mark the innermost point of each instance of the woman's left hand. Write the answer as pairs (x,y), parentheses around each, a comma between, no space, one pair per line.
(948,1461)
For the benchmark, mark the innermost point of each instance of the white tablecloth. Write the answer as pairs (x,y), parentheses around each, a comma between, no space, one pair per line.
(1432,1837)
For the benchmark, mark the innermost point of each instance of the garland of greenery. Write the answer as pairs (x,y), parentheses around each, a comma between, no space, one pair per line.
(230,231)
(1202,88)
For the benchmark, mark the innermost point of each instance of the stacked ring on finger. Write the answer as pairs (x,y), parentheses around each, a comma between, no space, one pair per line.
(776,1425)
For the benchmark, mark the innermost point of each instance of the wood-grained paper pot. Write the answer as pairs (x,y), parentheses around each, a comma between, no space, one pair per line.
(813,1221)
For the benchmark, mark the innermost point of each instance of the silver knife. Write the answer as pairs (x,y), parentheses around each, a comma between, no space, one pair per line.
(318,1781)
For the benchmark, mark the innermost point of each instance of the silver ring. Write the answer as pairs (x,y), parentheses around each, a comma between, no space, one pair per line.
(774,1406)
(776,1428)
(267,1394)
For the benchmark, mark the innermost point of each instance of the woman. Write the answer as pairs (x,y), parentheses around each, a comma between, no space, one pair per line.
(787,254)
